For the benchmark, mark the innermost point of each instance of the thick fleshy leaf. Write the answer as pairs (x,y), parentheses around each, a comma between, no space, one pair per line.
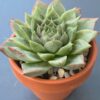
(53,46)
(40,8)
(80,46)
(34,24)
(26,31)
(36,19)
(46,56)
(15,21)
(8,53)
(35,37)
(71,31)
(49,7)
(44,37)
(39,30)
(19,42)
(86,23)
(36,47)
(51,14)
(86,35)
(65,50)
(22,31)
(72,28)
(17,30)
(61,27)
(19,22)
(57,36)
(59,8)
(69,15)
(73,22)
(28,19)
(22,55)
(7,43)
(33,70)
(75,62)
(51,23)
(58,62)
(46,28)
(64,38)
(37,14)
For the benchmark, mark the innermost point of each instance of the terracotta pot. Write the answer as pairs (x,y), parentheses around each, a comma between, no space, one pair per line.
(56,89)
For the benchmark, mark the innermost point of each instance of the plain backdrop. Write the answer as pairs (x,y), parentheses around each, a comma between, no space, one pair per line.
(10,88)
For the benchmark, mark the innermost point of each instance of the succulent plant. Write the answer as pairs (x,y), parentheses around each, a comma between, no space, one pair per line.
(50,37)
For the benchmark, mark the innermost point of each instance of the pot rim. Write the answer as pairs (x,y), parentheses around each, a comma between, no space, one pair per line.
(89,65)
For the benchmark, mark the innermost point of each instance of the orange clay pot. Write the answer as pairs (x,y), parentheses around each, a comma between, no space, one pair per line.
(56,89)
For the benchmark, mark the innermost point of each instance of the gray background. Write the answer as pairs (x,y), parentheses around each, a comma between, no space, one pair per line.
(10,88)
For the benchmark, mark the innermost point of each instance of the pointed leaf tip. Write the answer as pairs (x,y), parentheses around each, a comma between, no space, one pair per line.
(36,47)
(80,46)
(58,62)
(86,35)
(87,23)
(46,56)
(28,19)
(65,50)
(75,62)
(53,46)
(33,70)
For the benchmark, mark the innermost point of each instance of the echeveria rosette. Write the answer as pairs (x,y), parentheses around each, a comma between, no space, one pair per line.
(50,37)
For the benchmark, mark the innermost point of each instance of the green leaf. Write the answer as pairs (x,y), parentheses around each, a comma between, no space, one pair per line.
(37,14)
(19,42)
(46,56)
(64,38)
(36,47)
(35,37)
(65,49)
(53,46)
(26,32)
(87,23)
(59,8)
(80,46)
(69,15)
(87,35)
(39,30)
(71,31)
(57,36)
(58,62)
(8,43)
(75,62)
(33,70)
(8,53)
(21,31)
(33,24)
(46,28)
(21,55)
(17,22)
(28,19)
(51,23)
(44,37)
(72,28)
(61,27)
(51,13)
(73,22)
(17,30)
(40,8)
